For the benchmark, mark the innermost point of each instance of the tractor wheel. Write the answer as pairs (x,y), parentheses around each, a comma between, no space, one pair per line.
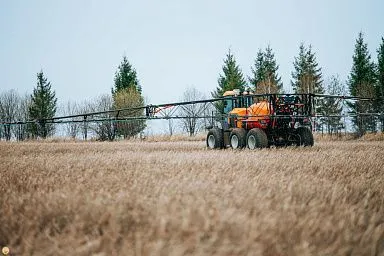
(237,138)
(305,137)
(215,139)
(257,138)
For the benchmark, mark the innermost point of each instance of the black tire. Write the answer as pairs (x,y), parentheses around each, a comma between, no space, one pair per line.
(305,137)
(257,138)
(215,139)
(237,138)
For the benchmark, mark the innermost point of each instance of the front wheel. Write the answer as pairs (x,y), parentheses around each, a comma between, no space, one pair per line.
(305,137)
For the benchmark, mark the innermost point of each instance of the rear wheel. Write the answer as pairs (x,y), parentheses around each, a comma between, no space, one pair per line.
(257,138)
(305,137)
(237,138)
(215,139)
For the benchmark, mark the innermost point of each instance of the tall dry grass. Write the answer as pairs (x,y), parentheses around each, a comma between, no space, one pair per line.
(177,198)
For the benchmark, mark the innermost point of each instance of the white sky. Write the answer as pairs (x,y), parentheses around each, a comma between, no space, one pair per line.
(172,44)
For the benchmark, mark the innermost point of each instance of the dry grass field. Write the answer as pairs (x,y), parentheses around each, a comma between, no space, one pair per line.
(178,198)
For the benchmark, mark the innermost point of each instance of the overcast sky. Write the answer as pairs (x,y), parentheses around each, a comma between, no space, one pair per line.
(173,44)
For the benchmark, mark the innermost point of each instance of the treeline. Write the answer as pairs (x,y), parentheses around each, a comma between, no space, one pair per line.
(42,105)
(366,79)
(125,93)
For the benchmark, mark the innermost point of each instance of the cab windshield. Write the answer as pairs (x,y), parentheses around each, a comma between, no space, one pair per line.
(241,102)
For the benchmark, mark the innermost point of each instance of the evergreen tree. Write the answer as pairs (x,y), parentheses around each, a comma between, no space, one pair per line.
(125,77)
(307,76)
(300,66)
(380,83)
(380,72)
(231,79)
(265,78)
(332,107)
(258,72)
(315,71)
(361,83)
(127,93)
(42,107)
(271,68)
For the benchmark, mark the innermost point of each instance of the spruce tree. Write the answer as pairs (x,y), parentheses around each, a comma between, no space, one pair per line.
(332,108)
(258,72)
(307,76)
(361,83)
(380,83)
(265,78)
(380,71)
(300,66)
(271,69)
(127,93)
(231,79)
(42,107)
(125,77)
(315,71)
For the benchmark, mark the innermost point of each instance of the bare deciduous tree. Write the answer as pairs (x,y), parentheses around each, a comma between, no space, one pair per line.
(104,130)
(191,123)
(72,129)
(21,130)
(9,102)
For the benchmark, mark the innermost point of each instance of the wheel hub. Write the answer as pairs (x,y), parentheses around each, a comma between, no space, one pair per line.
(234,141)
(252,142)
(211,141)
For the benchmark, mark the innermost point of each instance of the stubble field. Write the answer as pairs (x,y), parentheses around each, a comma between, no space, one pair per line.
(178,198)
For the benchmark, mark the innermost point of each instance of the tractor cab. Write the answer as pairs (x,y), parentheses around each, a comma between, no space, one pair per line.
(232,101)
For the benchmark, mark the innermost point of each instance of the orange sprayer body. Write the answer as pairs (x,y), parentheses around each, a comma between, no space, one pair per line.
(256,115)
